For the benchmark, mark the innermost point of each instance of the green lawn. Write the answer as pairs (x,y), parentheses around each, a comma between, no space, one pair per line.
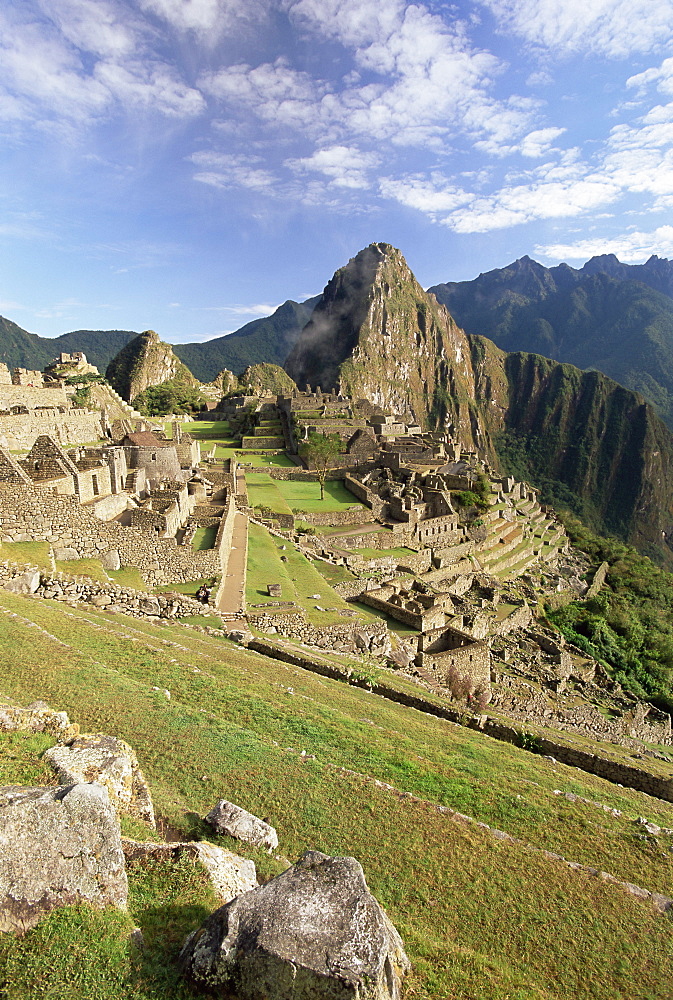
(83,567)
(34,553)
(480,918)
(128,576)
(204,538)
(298,577)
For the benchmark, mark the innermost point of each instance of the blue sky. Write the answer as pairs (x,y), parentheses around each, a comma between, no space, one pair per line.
(187,165)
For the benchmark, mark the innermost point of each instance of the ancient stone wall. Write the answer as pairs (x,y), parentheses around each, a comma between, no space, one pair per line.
(519,618)
(346,638)
(19,431)
(337,518)
(30,396)
(30,514)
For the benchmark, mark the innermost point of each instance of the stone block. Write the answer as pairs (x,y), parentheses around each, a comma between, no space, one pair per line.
(109,762)
(27,583)
(65,552)
(233,821)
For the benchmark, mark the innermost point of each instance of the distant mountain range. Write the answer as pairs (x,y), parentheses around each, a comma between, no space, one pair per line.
(613,317)
(268,339)
(586,441)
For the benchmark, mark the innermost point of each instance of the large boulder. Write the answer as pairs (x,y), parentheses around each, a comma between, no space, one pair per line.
(233,821)
(58,846)
(110,762)
(313,932)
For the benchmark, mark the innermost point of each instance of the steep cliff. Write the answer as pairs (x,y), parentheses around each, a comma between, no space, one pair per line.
(376,334)
(585,439)
(146,361)
(617,318)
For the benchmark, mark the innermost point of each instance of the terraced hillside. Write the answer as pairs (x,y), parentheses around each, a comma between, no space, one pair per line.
(481,916)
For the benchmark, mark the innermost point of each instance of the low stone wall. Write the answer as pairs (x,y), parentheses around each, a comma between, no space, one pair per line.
(346,638)
(107,596)
(337,518)
(20,431)
(621,774)
(302,475)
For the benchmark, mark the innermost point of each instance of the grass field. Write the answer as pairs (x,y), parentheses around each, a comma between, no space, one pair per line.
(480,918)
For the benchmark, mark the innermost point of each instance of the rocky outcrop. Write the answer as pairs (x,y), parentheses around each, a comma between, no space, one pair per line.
(375,334)
(266,379)
(36,718)
(58,847)
(146,361)
(232,821)
(313,932)
(109,762)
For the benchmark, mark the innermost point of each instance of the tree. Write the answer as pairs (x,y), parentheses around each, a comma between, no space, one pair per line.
(321,451)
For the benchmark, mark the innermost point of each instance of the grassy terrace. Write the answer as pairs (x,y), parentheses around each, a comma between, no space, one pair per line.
(287,496)
(480,918)
(299,578)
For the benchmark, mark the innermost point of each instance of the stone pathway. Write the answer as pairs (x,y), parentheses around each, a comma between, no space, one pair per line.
(232,599)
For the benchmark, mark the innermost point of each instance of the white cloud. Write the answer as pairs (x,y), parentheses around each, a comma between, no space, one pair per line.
(425,82)
(346,166)
(83,60)
(662,76)
(207,19)
(152,86)
(539,142)
(94,26)
(434,196)
(630,248)
(613,28)
(274,92)
(223,170)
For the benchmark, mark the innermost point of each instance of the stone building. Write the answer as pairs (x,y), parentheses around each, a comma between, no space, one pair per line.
(453,655)
(158,458)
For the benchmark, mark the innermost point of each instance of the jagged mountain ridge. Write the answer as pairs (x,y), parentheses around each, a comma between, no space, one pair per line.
(614,317)
(265,340)
(377,334)
(20,349)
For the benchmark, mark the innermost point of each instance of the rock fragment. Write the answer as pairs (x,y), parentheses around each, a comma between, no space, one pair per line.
(233,821)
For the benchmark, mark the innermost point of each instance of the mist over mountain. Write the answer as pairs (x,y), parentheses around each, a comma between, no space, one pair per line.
(613,317)
(268,339)
(587,441)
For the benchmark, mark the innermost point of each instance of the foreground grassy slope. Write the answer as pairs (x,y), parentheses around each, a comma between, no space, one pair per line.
(479,917)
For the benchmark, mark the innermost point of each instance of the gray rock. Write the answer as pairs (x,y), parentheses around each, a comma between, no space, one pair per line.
(111,559)
(230,875)
(229,819)
(109,762)
(58,846)
(65,552)
(27,583)
(313,932)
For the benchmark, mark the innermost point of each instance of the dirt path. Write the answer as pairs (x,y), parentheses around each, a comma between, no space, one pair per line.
(232,598)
